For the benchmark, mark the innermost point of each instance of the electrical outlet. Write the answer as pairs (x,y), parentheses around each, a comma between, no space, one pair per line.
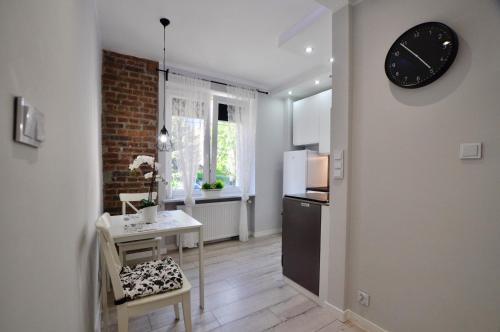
(363,298)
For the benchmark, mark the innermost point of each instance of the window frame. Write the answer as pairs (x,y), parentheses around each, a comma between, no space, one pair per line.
(209,148)
(176,193)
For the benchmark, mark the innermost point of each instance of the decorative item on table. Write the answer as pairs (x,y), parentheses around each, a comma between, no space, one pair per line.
(146,166)
(212,189)
(141,227)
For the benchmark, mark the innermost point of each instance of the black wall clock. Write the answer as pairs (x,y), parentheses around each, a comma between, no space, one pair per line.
(421,55)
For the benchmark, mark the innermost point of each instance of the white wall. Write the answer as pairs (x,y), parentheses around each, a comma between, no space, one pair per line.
(50,196)
(339,134)
(424,226)
(273,139)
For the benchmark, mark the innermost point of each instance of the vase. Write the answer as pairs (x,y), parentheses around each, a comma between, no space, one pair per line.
(149,213)
(212,193)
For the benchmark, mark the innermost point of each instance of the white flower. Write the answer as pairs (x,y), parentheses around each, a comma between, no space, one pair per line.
(160,178)
(142,159)
(148,160)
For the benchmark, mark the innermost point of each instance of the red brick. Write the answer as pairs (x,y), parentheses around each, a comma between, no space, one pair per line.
(129,122)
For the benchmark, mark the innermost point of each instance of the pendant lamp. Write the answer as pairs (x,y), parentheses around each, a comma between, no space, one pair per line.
(164,139)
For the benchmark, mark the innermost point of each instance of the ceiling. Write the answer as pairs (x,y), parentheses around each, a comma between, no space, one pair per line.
(258,43)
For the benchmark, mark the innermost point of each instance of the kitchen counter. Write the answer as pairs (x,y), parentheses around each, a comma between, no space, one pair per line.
(314,197)
(321,189)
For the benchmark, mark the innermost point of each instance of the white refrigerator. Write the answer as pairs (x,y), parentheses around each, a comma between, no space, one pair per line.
(304,169)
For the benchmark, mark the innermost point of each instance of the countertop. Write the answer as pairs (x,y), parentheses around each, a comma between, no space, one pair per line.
(316,197)
(321,189)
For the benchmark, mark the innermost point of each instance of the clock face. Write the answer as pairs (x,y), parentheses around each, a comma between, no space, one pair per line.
(421,55)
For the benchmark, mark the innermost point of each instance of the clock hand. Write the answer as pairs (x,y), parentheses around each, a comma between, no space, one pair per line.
(416,56)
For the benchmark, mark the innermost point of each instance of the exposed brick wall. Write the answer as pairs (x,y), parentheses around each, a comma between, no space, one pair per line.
(129,122)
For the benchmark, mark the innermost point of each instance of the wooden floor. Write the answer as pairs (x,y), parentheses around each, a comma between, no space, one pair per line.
(244,291)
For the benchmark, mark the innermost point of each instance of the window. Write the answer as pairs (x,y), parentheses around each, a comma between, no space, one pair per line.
(180,121)
(216,137)
(176,180)
(224,145)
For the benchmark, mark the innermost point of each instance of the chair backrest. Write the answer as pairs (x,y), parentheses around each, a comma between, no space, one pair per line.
(135,197)
(107,247)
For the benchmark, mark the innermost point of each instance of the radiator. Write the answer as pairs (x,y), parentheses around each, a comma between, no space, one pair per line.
(220,220)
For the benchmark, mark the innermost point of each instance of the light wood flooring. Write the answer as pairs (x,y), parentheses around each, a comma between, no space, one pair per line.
(244,291)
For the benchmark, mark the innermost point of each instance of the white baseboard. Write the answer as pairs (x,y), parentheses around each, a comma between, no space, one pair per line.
(337,312)
(302,290)
(354,318)
(267,232)
(362,322)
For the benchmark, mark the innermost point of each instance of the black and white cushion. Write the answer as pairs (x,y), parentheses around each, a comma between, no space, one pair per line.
(150,278)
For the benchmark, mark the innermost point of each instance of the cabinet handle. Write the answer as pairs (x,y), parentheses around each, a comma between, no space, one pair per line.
(304,204)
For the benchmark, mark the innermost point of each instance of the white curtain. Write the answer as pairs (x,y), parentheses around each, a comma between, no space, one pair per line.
(190,106)
(245,117)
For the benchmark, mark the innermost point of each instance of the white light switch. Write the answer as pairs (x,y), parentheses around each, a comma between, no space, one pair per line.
(470,150)
(338,164)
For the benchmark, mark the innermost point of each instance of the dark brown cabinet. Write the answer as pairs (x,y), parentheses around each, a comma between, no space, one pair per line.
(302,242)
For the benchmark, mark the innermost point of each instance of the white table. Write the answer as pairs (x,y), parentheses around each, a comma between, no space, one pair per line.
(175,222)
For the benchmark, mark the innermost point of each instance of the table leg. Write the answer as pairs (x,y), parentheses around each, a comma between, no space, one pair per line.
(104,292)
(201,269)
(180,250)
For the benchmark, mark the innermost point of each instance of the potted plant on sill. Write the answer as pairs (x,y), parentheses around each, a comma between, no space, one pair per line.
(147,166)
(212,189)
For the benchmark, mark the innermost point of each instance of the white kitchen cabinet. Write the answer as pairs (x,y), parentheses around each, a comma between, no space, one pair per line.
(311,121)
(305,121)
(324,121)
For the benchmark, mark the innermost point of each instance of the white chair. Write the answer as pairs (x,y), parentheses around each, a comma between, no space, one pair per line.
(142,245)
(125,308)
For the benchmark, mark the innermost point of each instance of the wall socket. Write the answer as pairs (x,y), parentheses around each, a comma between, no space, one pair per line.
(363,298)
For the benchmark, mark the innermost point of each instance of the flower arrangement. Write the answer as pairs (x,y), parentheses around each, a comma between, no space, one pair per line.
(137,167)
(217,185)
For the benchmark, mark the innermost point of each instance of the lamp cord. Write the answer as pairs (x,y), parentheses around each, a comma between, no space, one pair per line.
(164,81)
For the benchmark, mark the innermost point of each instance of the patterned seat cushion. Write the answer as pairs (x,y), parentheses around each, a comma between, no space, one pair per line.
(150,278)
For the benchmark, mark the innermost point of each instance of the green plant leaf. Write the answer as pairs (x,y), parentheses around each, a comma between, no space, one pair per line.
(147,203)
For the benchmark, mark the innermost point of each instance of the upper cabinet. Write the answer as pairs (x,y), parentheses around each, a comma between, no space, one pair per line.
(306,121)
(324,122)
(311,121)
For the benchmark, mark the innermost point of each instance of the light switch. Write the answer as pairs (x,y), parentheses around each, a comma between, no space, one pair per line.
(470,150)
(338,164)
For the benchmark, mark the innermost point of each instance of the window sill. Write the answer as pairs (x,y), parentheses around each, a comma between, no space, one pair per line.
(224,197)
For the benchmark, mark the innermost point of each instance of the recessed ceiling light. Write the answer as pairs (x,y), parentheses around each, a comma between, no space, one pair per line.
(446,43)
(331,60)
(316,82)
(290,93)
(309,49)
